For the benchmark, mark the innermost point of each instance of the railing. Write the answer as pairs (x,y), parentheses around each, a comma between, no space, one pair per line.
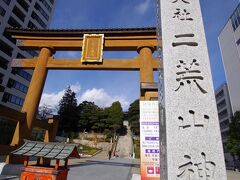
(114,146)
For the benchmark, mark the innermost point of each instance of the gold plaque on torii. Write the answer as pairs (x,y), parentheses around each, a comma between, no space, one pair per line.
(92,49)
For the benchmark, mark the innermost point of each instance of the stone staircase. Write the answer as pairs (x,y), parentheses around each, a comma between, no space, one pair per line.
(125,145)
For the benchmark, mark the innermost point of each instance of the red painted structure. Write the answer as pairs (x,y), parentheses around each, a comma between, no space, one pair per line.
(45,152)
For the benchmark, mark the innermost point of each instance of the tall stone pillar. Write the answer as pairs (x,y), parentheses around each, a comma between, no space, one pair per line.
(191,146)
(34,93)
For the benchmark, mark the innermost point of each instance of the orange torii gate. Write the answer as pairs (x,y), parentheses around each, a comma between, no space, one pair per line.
(142,40)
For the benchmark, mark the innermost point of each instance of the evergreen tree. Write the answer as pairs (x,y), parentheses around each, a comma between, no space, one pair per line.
(101,124)
(133,117)
(115,116)
(88,114)
(68,112)
(103,118)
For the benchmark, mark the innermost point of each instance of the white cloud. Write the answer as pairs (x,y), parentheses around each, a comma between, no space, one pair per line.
(99,96)
(143,7)
(76,87)
(52,99)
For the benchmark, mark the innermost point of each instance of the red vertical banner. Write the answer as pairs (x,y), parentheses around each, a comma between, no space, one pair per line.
(149,138)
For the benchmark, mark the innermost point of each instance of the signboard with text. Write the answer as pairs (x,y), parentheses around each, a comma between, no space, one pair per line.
(92,49)
(149,140)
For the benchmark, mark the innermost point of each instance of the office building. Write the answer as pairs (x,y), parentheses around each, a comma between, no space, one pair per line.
(229,41)
(225,115)
(19,13)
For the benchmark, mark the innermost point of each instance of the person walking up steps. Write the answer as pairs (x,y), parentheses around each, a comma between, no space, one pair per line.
(109,154)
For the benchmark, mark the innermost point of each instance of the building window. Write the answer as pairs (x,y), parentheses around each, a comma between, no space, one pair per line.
(16,100)
(21,87)
(31,25)
(235,18)
(221,104)
(223,114)
(44,2)
(17,85)
(44,14)
(1,78)
(7,97)
(7,1)
(23,4)
(3,63)
(19,13)
(224,124)
(2,11)
(38,19)
(9,37)
(52,1)
(220,94)
(22,73)
(12,22)
(5,48)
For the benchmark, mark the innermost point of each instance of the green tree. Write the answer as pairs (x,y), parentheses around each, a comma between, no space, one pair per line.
(133,117)
(115,116)
(101,124)
(88,114)
(233,138)
(68,112)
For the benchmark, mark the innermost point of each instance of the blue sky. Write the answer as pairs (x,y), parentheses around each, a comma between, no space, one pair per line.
(104,87)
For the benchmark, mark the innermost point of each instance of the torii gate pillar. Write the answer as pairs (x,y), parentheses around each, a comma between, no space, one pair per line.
(33,96)
(146,67)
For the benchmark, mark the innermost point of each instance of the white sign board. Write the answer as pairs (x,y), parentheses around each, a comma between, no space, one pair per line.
(149,140)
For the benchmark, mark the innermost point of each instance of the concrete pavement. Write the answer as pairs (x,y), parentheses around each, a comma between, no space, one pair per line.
(115,169)
(232,175)
(100,168)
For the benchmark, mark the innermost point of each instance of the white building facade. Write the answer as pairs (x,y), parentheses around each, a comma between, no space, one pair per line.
(228,95)
(229,41)
(19,13)
(225,115)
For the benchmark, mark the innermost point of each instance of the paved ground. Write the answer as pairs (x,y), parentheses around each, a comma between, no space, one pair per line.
(115,169)
(232,175)
(100,168)
(124,146)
